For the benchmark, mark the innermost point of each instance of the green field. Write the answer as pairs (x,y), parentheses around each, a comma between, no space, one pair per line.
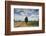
(33,23)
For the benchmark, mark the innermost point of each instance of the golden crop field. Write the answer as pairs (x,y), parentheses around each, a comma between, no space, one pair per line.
(23,24)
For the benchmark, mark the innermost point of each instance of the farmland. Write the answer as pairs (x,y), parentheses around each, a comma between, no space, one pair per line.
(23,24)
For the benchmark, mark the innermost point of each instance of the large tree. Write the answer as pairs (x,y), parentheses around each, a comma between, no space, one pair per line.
(26,19)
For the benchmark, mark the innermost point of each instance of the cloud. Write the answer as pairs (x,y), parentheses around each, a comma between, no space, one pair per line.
(27,12)
(17,18)
(32,14)
(33,17)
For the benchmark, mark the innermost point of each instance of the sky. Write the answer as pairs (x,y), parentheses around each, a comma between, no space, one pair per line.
(21,13)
